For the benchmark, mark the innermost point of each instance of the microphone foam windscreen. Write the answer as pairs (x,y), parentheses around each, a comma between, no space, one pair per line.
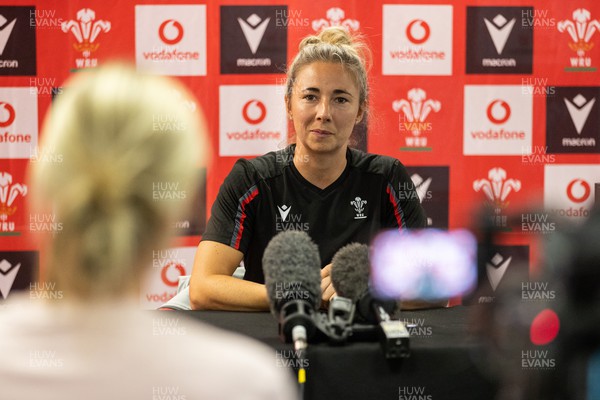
(350,271)
(292,269)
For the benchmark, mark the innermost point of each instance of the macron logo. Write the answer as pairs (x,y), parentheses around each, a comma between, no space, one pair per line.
(421,186)
(499,29)
(284,211)
(254,30)
(579,110)
(5,31)
(8,273)
(496,269)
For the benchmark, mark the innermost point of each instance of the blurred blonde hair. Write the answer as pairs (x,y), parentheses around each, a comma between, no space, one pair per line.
(120,135)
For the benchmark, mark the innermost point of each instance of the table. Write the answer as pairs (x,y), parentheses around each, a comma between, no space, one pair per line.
(443,362)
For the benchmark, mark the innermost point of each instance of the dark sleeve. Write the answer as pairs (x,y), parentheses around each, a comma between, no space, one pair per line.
(403,208)
(233,212)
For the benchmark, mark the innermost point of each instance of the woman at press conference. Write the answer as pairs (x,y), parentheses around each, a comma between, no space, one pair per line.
(319,184)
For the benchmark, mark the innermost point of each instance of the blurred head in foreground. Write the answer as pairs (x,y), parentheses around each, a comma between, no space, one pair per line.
(122,137)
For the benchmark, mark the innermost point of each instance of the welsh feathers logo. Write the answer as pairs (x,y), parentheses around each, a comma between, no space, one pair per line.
(359,207)
(335,17)
(86,30)
(497,187)
(413,117)
(9,192)
(581,28)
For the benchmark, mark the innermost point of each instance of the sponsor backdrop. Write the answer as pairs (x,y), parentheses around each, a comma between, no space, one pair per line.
(488,103)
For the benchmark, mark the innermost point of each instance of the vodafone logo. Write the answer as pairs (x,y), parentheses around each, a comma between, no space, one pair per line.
(578,190)
(171,39)
(418,31)
(569,190)
(7,114)
(18,125)
(250,119)
(417,39)
(498,111)
(164,274)
(498,120)
(254,112)
(170,32)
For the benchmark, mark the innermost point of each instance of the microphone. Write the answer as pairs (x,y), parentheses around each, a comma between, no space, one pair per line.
(292,265)
(350,277)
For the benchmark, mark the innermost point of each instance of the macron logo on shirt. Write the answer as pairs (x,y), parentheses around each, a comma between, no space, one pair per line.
(284,211)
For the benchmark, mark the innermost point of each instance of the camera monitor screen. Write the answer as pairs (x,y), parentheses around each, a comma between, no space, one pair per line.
(426,264)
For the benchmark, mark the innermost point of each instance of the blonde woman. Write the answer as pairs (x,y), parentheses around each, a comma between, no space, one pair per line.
(319,184)
(91,341)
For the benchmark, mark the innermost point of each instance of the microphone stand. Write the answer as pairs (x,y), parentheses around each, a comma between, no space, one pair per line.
(296,325)
(300,345)
(394,336)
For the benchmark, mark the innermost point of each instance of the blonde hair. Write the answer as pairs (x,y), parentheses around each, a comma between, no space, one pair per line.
(118,135)
(334,45)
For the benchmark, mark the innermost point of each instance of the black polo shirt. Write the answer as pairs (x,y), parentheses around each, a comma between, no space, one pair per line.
(266,195)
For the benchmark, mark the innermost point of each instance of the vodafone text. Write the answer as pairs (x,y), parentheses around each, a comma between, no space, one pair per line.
(171,55)
(253,135)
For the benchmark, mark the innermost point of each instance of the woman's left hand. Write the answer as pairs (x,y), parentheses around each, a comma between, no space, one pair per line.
(327,289)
